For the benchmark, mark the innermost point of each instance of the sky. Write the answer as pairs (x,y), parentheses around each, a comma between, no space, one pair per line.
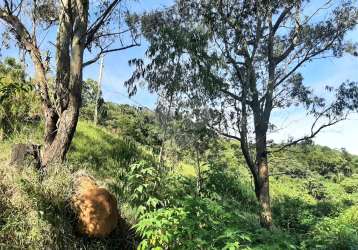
(292,123)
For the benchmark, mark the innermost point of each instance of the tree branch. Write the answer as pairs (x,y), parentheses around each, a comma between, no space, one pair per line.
(280,19)
(23,36)
(96,25)
(230,136)
(312,135)
(97,57)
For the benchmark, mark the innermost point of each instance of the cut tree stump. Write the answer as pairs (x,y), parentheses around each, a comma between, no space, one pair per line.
(21,152)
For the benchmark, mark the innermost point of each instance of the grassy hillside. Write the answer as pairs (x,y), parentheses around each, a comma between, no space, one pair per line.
(314,198)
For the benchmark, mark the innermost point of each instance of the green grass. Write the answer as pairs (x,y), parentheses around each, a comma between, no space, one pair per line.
(315,212)
(35,213)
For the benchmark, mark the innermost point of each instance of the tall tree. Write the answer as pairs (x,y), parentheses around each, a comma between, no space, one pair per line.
(195,138)
(242,59)
(81,25)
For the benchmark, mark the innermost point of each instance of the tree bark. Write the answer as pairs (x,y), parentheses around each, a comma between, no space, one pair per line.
(61,122)
(262,181)
(198,173)
(57,149)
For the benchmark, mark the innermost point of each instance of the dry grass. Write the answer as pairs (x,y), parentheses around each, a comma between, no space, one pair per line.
(35,212)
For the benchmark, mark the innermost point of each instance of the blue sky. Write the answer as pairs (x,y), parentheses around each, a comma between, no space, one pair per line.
(116,69)
(293,122)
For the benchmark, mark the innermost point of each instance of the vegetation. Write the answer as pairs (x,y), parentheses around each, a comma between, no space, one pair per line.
(193,173)
(81,26)
(314,201)
(18,104)
(235,62)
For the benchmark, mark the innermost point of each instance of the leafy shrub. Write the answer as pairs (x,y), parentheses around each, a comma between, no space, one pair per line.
(316,189)
(139,124)
(336,233)
(199,223)
(140,185)
(350,185)
(18,101)
(221,183)
(292,213)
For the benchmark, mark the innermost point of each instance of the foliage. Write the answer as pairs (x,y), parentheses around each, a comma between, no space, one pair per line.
(312,210)
(18,101)
(340,232)
(89,101)
(137,123)
(221,184)
(238,61)
(141,186)
(307,160)
(198,224)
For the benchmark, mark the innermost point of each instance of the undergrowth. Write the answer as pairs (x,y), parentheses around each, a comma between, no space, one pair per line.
(161,208)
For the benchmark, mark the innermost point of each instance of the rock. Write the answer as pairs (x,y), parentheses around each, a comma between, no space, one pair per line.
(95,207)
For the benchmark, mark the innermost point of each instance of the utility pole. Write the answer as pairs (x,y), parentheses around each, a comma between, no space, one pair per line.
(22,55)
(99,84)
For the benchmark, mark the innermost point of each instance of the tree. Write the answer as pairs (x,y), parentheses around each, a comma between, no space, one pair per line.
(242,59)
(81,26)
(192,135)
(164,116)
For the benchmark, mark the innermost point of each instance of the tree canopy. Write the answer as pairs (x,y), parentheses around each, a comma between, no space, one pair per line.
(240,60)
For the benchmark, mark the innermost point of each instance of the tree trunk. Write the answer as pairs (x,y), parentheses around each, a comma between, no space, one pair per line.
(198,173)
(162,147)
(262,181)
(58,140)
(60,124)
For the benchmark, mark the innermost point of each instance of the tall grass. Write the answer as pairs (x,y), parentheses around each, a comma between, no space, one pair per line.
(35,212)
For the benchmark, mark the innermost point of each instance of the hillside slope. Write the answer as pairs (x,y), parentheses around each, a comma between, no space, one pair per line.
(314,198)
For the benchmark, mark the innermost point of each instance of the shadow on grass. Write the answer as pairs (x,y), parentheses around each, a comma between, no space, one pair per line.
(297,216)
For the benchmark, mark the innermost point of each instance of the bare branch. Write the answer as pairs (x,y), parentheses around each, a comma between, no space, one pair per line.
(234,96)
(280,19)
(312,135)
(97,57)
(112,34)
(230,136)
(96,25)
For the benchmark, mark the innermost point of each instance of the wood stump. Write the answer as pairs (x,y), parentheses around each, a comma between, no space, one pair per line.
(21,152)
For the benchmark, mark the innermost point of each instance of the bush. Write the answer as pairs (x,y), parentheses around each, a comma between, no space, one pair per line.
(19,103)
(350,185)
(336,233)
(141,185)
(198,224)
